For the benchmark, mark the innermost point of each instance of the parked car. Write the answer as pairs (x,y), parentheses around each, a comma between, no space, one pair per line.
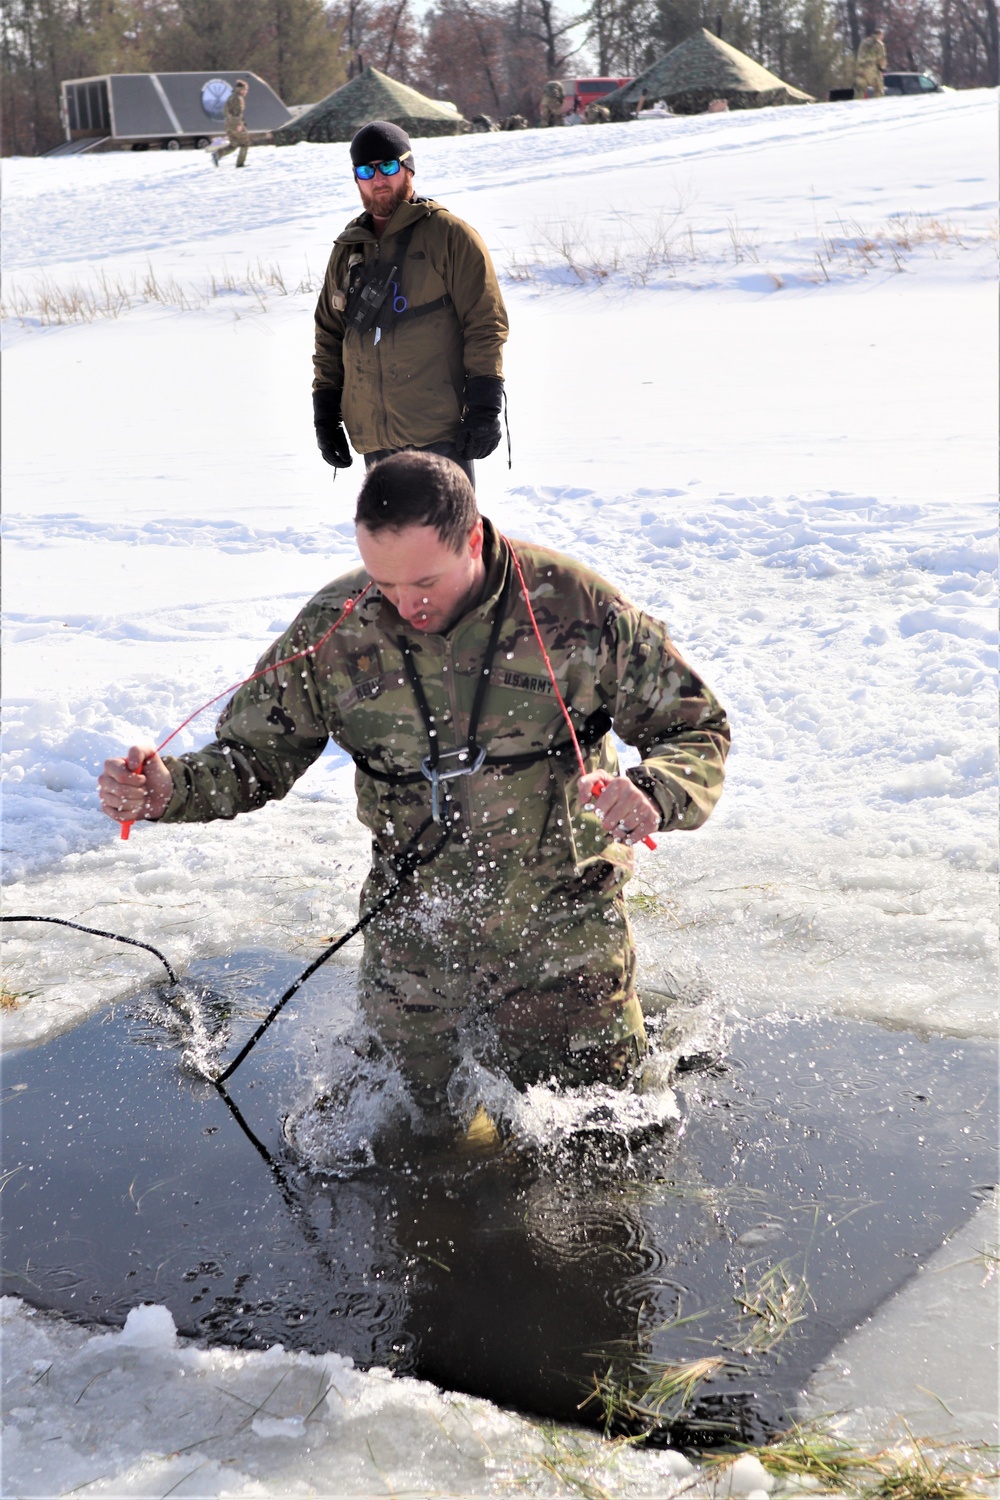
(913,83)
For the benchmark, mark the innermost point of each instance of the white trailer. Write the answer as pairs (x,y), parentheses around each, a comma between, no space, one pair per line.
(119,111)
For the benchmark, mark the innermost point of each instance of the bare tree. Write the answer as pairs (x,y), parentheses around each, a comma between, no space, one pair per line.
(979,17)
(384,34)
(620,31)
(538,20)
(397,16)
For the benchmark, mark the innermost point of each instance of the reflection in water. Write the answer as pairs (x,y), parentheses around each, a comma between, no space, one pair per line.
(681,1275)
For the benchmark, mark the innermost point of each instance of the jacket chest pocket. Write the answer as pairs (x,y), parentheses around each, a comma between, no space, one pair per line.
(376,710)
(417,281)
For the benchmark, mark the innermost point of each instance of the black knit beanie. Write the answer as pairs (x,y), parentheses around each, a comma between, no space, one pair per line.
(380,141)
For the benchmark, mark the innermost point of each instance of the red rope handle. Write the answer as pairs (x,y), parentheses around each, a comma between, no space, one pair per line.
(348,609)
(598,786)
(545,657)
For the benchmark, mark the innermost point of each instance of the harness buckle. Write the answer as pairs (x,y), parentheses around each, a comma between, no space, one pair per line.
(435,775)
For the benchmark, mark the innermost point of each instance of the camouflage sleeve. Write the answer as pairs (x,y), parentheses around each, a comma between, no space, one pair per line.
(328,358)
(267,736)
(475,291)
(663,708)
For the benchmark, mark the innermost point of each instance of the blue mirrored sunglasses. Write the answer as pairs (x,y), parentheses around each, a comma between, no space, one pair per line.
(388,168)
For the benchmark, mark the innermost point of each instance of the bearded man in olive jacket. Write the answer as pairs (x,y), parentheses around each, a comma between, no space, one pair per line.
(512,940)
(410,324)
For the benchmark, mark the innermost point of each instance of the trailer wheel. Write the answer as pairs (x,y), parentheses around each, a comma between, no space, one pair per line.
(202,142)
(171,145)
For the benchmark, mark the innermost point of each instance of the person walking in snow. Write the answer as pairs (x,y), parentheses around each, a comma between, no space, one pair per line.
(870,66)
(410,323)
(514,938)
(236,130)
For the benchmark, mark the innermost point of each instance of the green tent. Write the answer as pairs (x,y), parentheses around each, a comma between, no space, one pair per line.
(371,96)
(702,69)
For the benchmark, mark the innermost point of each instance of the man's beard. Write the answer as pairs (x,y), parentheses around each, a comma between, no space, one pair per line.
(383,204)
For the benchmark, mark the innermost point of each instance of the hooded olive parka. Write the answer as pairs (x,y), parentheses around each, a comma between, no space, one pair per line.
(444,320)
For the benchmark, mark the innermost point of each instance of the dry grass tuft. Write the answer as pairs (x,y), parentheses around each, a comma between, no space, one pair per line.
(644,1395)
(45,303)
(670,244)
(922,1470)
(771,1308)
(10,999)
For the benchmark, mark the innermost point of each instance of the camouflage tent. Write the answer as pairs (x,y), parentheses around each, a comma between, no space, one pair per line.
(702,69)
(371,96)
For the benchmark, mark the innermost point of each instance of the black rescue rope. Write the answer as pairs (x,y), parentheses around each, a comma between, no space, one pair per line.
(405,865)
(98,932)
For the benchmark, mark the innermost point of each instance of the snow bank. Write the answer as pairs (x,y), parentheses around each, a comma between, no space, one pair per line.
(141,1412)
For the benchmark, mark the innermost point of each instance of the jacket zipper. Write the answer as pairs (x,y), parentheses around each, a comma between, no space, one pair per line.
(377,335)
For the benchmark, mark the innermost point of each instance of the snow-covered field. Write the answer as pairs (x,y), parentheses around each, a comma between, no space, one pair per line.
(752,378)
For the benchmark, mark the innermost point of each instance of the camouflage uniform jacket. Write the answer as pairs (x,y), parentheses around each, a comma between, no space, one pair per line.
(405,387)
(871,55)
(235,105)
(525,824)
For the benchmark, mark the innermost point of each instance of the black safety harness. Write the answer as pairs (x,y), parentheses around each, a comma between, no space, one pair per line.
(439,765)
(369,288)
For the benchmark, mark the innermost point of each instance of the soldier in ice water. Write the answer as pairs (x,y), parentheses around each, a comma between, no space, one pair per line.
(513,942)
(239,139)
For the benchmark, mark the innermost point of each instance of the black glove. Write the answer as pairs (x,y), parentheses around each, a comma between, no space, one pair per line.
(480,429)
(330,434)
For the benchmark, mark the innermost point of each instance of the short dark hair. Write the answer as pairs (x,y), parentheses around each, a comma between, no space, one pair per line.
(415,488)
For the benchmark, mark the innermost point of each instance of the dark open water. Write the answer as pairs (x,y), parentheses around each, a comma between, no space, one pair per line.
(829,1156)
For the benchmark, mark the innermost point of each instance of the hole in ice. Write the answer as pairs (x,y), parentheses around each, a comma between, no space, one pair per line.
(683,1256)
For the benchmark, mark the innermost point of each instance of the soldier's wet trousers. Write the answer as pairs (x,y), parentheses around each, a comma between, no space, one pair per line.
(534,990)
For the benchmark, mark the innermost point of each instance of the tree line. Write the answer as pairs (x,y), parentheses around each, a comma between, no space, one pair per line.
(486,56)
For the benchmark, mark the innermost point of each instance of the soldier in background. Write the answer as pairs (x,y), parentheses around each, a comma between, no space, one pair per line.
(596,114)
(239,139)
(550,110)
(870,65)
(410,324)
(513,940)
